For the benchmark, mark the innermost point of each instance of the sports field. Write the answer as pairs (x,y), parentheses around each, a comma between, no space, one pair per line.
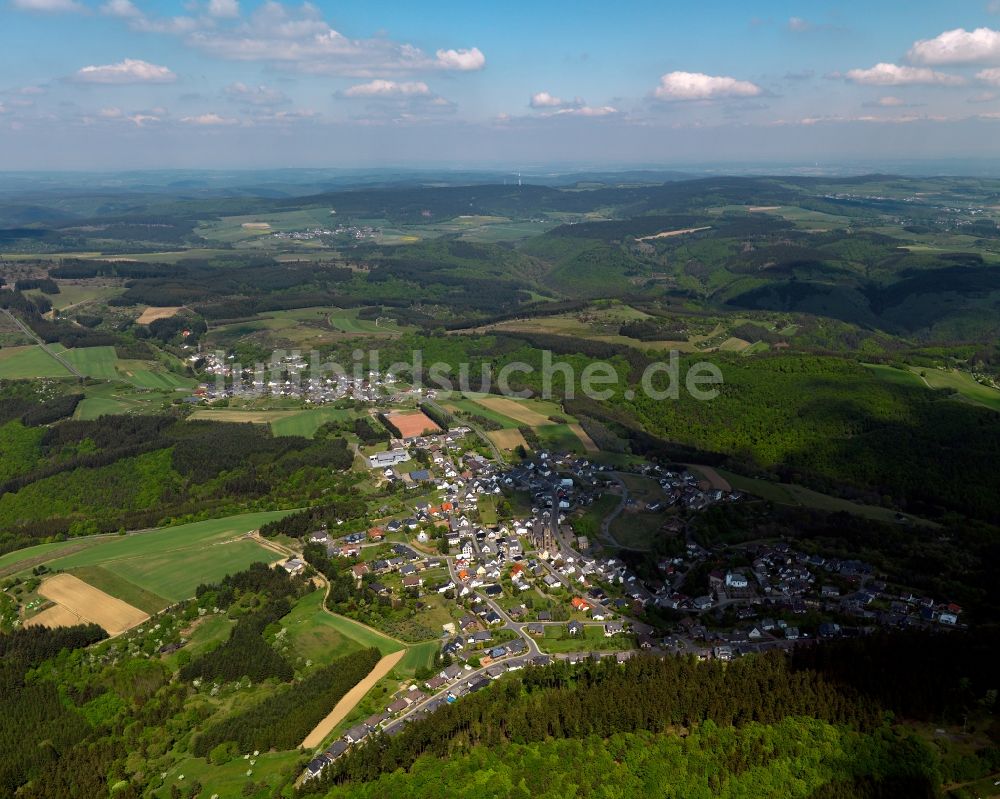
(87,604)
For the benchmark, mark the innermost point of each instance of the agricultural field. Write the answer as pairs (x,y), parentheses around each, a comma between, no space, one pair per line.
(169,562)
(27,362)
(152,313)
(103,399)
(282,422)
(78,602)
(508,439)
(96,362)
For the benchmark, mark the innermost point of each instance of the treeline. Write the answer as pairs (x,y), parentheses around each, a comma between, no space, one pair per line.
(310,520)
(45,284)
(439,416)
(284,719)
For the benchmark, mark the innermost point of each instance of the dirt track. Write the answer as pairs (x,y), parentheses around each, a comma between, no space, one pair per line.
(351,699)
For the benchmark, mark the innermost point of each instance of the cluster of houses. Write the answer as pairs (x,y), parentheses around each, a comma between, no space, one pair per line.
(284,377)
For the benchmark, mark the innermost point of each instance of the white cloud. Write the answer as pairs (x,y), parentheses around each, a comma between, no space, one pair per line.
(895,75)
(140,21)
(110,113)
(389,88)
(991,76)
(958,47)
(255,95)
(209,120)
(462,60)
(224,9)
(890,102)
(141,120)
(299,38)
(130,70)
(124,9)
(799,25)
(48,6)
(588,111)
(698,86)
(546,100)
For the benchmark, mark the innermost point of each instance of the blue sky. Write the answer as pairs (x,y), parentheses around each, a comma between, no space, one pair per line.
(255,83)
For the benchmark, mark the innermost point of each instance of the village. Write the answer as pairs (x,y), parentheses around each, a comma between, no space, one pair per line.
(496,553)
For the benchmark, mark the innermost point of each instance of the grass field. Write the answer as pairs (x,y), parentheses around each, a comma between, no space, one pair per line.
(117,398)
(316,635)
(97,362)
(557,639)
(559,438)
(169,562)
(365,636)
(271,768)
(23,363)
(73,294)
(283,423)
(789,494)
(418,656)
(637,530)
(961,382)
(346,320)
(118,586)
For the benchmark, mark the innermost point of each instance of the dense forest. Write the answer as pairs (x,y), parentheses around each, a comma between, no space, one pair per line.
(661,695)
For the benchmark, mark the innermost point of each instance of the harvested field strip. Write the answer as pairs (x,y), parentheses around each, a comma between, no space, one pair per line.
(515,410)
(509,439)
(117,586)
(91,604)
(350,699)
(151,314)
(586,440)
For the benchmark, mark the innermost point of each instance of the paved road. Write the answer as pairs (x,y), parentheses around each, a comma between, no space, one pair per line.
(34,337)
